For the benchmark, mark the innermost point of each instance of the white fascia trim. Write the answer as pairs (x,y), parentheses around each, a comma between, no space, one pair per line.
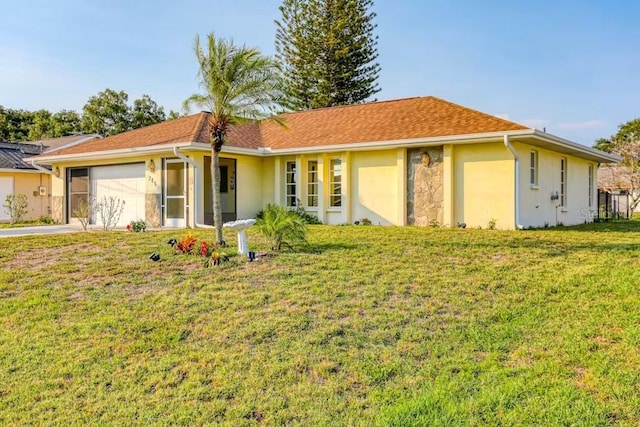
(201,146)
(361,146)
(111,154)
(31,171)
(601,155)
(400,143)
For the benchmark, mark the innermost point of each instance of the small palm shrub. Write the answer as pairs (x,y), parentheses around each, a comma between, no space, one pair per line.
(282,227)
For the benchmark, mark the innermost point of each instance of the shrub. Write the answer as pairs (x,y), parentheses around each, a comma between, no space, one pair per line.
(300,212)
(186,244)
(109,209)
(16,206)
(282,227)
(46,219)
(492,224)
(83,212)
(137,226)
(306,217)
(212,253)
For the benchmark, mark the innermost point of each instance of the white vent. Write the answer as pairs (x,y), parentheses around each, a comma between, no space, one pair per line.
(42,190)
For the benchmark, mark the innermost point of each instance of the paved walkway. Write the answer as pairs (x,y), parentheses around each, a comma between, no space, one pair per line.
(39,229)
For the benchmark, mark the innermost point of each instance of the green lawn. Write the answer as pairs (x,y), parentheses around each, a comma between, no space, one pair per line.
(371,325)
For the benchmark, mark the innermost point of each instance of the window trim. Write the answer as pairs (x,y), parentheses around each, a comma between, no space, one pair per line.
(334,184)
(533,168)
(563,182)
(312,185)
(290,183)
(590,184)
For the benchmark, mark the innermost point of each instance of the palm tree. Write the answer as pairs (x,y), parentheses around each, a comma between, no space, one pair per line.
(239,85)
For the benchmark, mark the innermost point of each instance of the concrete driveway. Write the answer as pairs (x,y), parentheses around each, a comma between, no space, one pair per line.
(39,229)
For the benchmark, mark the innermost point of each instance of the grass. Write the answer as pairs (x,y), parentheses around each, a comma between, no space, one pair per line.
(368,326)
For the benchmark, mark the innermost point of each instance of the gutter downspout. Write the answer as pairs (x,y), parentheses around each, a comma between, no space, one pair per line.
(176,151)
(516,158)
(40,168)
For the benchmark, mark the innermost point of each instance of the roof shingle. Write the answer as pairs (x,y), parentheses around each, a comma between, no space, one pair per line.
(409,118)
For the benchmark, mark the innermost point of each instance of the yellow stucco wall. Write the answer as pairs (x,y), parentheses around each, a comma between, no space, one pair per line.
(268,182)
(536,206)
(373,184)
(29,184)
(483,185)
(374,179)
(478,185)
(250,181)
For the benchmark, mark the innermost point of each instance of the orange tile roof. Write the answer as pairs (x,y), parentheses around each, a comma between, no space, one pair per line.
(409,118)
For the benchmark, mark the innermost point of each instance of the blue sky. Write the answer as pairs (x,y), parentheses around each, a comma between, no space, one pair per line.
(569,66)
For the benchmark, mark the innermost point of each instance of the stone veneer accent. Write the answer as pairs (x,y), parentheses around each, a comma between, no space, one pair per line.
(57,209)
(153,209)
(425,186)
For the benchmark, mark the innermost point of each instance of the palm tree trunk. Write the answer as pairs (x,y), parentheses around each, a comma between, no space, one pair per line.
(217,205)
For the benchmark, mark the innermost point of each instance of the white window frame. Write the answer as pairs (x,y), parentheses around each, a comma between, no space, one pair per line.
(312,184)
(533,168)
(290,183)
(563,182)
(335,185)
(590,184)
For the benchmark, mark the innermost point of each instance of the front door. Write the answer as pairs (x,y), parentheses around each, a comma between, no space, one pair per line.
(227,190)
(78,195)
(175,195)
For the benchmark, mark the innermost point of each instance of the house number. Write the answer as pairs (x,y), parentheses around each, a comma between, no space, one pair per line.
(152,181)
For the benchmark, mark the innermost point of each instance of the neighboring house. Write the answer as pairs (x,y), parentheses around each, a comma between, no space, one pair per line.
(409,161)
(19,176)
(618,191)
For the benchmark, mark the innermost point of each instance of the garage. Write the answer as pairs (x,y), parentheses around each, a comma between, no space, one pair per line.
(6,189)
(124,182)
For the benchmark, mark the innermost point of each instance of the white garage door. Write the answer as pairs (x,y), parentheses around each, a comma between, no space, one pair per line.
(125,182)
(6,188)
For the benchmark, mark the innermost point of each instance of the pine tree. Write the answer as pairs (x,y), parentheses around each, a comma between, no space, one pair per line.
(328,52)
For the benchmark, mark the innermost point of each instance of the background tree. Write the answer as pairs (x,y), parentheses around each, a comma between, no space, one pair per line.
(328,52)
(239,85)
(173,115)
(41,126)
(65,122)
(626,144)
(146,112)
(15,124)
(46,125)
(107,113)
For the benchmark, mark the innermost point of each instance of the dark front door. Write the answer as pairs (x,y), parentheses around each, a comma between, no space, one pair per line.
(228,187)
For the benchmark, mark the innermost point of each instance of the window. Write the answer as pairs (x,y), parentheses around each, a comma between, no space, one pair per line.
(335,183)
(290,183)
(312,183)
(533,168)
(563,182)
(590,186)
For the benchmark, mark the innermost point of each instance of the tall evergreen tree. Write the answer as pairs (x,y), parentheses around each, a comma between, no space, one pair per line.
(327,49)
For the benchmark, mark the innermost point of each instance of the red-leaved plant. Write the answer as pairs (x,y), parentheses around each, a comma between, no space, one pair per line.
(186,244)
